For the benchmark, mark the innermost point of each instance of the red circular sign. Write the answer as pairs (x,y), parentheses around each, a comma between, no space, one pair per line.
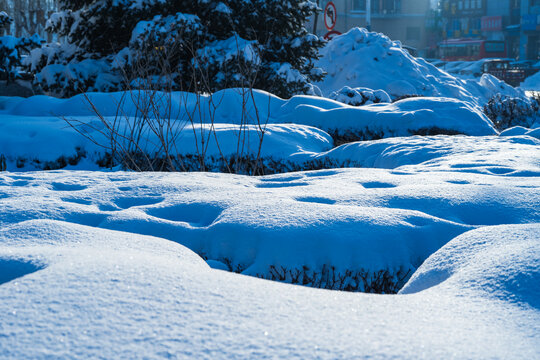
(332,34)
(330,16)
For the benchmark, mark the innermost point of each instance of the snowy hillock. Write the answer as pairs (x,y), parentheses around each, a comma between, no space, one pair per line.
(520,130)
(349,229)
(231,122)
(229,129)
(367,59)
(412,116)
(508,155)
(71,290)
(501,262)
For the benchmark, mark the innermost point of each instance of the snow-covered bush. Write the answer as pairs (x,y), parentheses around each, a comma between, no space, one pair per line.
(360,96)
(506,111)
(195,45)
(11,49)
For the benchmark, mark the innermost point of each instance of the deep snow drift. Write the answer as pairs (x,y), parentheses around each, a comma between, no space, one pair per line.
(355,229)
(73,290)
(367,59)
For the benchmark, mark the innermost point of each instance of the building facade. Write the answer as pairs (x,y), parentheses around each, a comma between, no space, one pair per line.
(529,39)
(515,22)
(403,20)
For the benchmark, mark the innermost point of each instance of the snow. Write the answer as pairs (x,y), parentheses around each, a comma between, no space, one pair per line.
(229,49)
(164,27)
(406,117)
(360,96)
(92,271)
(510,156)
(531,83)
(296,130)
(420,241)
(444,229)
(465,69)
(152,265)
(351,216)
(513,250)
(360,58)
(520,130)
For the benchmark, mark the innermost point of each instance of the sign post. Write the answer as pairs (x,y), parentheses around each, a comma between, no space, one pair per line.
(330,19)
(330,16)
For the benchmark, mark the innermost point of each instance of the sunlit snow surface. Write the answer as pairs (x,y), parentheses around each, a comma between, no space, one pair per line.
(110,264)
(86,283)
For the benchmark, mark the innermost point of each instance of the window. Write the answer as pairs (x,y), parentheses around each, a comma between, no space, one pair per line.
(413,33)
(391,6)
(359,5)
(494,46)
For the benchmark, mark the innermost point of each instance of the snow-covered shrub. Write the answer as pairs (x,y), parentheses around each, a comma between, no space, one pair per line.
(11,51)
(197,45)
(507,112)
(360,96)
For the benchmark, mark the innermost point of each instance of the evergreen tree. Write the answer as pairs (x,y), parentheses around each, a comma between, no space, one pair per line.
(201,45)
(11,49)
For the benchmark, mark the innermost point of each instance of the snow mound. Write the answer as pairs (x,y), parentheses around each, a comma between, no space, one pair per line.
(100,293)
(507,155)
(353,229)
(367,59)
(30,143)
(501,261)
(43,134)
(520,130)
(531,83)
(412,116)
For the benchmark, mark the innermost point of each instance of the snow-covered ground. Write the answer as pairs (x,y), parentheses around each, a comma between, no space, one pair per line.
(442,230)
(88,268)
(532,83)
(123,264)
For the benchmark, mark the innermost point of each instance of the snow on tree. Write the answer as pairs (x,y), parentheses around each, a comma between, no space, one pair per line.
(200,45)
(11,49)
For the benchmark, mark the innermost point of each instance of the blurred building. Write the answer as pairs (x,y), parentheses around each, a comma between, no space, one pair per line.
(516,23)
(529,39)
(403,20)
